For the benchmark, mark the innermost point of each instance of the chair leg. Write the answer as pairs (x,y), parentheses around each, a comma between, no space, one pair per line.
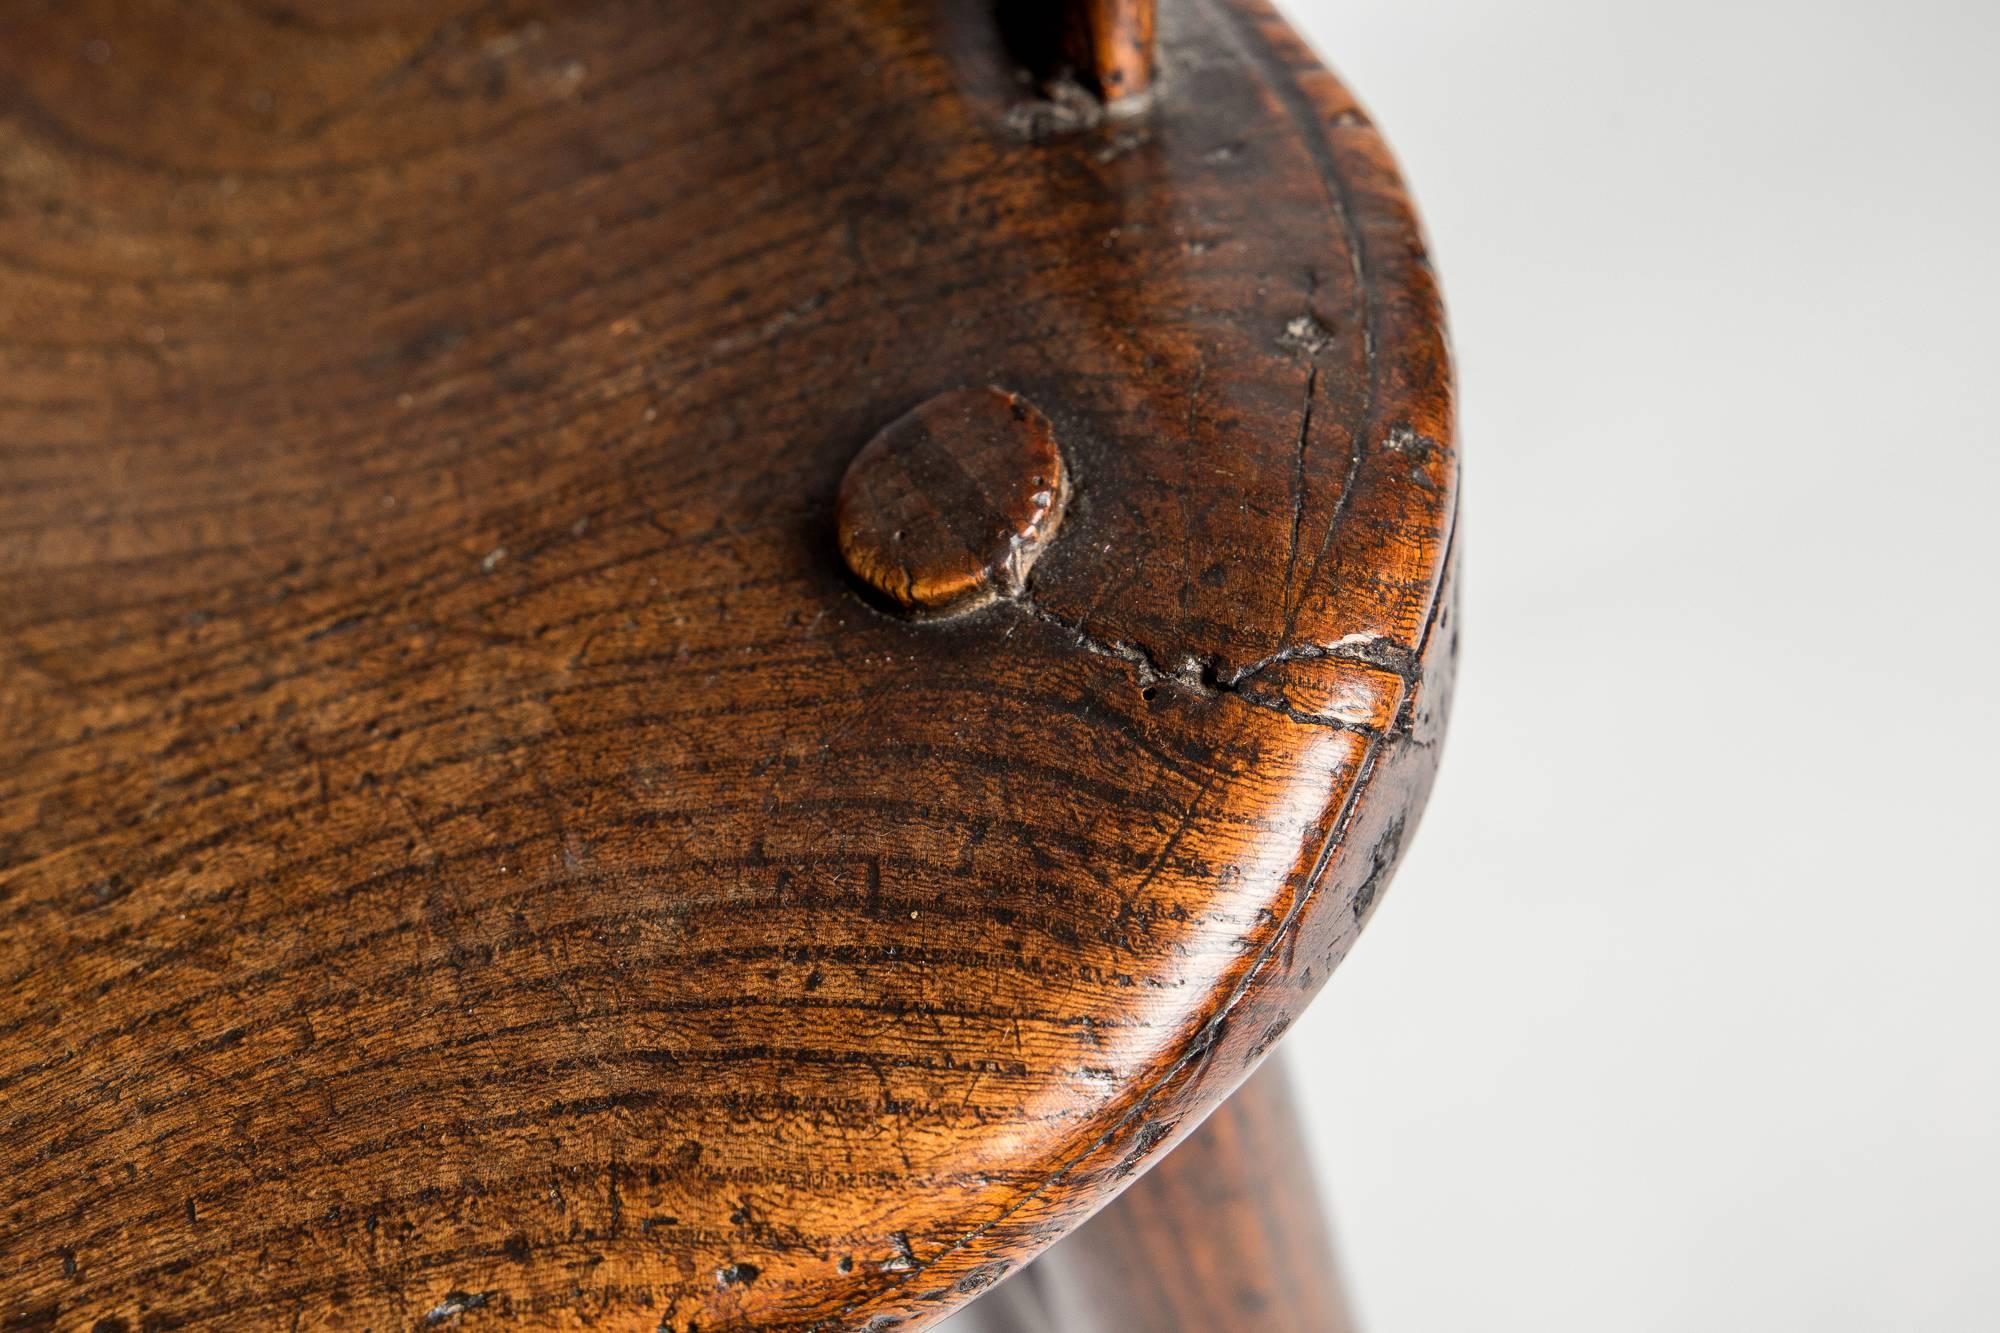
(1224,1236)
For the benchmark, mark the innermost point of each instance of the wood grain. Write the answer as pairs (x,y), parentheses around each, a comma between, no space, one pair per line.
(951,504)
(467,852)
(1225,1234)
(1114,44)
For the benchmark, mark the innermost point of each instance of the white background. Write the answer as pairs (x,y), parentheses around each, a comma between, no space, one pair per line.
(1682,1012)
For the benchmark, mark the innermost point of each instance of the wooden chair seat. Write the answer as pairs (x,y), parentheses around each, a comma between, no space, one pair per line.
(470,845)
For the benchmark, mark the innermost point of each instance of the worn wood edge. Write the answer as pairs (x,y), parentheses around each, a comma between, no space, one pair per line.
(1413,392)
(1351,869)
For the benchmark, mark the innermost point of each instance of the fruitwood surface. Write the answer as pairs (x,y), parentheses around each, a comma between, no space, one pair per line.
(467,849)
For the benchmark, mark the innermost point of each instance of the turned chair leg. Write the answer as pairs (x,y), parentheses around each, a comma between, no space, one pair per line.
(1224,1236)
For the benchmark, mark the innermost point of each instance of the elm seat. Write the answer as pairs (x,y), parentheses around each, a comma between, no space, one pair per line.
(469,848)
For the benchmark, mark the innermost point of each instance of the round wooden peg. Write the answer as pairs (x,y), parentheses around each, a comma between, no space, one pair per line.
(947,507)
